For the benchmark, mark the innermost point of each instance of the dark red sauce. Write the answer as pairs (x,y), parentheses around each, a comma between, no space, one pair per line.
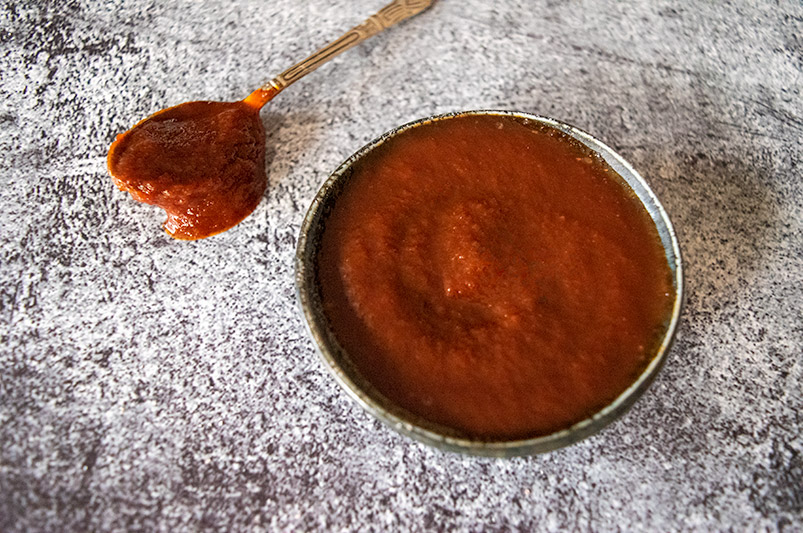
(494,277)
(202,162)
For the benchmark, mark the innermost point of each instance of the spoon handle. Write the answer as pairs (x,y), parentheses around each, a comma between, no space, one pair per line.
(395,12)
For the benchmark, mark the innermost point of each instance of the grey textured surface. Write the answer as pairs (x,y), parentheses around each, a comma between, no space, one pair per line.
(148,384)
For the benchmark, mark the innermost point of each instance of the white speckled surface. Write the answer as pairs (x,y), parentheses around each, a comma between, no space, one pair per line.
(148,384)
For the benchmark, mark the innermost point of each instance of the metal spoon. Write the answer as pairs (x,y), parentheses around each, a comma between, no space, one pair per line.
(204,162)
(386,17)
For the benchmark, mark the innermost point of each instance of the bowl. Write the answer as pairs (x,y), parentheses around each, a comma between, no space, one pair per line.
(348,376)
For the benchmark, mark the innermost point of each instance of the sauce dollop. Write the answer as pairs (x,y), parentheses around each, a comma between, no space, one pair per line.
(493,276)
(202,162)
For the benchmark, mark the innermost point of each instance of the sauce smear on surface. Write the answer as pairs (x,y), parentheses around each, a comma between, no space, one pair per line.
(202,162)
(493,276)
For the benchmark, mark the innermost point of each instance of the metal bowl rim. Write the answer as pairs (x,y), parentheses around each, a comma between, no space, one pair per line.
(304,271)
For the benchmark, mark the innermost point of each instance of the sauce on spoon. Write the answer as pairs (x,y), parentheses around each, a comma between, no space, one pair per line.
(204,162)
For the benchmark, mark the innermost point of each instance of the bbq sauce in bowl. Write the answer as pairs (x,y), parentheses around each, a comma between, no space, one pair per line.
(492,277)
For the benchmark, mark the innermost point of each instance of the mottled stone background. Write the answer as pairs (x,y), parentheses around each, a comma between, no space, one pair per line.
(148,384)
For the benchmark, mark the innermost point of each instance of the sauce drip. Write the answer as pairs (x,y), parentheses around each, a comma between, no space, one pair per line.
(493,277)
(202,162)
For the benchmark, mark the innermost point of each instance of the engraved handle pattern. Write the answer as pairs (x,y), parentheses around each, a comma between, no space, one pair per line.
(389,15)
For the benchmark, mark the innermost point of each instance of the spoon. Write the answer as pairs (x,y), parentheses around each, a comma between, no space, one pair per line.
(204,162)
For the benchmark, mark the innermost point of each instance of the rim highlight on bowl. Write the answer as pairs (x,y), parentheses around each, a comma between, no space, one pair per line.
(371,400)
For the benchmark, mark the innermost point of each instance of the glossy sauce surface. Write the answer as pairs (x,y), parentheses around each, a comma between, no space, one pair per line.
(493,276)
(202,162)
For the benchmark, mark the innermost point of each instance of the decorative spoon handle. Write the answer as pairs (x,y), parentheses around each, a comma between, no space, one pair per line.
(395,12)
